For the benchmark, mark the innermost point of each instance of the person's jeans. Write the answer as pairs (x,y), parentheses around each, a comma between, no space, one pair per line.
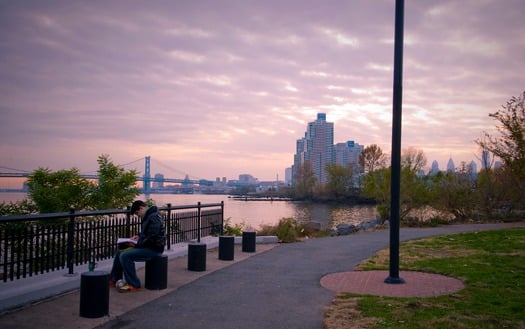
(124,263)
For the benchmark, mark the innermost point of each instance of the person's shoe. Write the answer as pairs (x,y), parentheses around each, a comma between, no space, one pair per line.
(112,283)
(127,288)
(120,283)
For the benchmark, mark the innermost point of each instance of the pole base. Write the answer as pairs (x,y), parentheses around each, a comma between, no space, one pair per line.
(394,280)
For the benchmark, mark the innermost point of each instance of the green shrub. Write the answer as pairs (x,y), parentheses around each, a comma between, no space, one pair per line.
(230,229)
(266,230)
(287,230)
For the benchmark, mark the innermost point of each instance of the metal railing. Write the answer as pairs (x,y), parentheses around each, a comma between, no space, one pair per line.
(35,244)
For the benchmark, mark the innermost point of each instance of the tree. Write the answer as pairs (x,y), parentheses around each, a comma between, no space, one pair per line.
(24,207)
(339,180)
(413,159)
(376,185)
(413,194)
(115,185)
(492,191)
(509,146)
(454,193)
(304,182)
(58,191)
(372,158)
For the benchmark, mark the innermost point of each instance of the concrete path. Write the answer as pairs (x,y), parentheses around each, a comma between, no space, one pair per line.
(279,286)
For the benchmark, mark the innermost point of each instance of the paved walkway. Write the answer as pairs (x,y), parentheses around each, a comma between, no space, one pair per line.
(279,286)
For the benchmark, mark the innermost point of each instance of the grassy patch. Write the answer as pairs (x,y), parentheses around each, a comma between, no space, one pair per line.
(491,263)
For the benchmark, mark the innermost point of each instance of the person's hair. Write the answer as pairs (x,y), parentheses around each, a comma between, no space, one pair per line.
(136,206)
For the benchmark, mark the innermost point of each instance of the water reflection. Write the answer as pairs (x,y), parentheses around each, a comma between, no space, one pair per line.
(256,213)
(329,216)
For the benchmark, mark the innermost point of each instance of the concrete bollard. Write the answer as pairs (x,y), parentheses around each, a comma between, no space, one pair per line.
(226,247)
(197,257)
(156,277)
(248,241)
(94,294)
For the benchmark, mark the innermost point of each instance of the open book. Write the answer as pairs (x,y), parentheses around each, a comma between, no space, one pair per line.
(126,240)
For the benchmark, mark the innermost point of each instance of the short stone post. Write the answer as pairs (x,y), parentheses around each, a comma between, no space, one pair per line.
(248,241)
(156,277)
(197,257)
(94,294)
(226,247)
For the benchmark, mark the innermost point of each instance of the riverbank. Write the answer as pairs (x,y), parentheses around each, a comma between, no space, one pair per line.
(261,212)
(258,198)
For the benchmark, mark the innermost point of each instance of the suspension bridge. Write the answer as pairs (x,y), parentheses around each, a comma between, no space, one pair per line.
(149,182)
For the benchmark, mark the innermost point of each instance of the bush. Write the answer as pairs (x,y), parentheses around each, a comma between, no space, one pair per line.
(230,229)
(287,230)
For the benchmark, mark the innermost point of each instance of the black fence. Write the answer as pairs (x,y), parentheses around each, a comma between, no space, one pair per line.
(35,244)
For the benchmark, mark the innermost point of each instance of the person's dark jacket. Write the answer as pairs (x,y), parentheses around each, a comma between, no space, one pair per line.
(152,234)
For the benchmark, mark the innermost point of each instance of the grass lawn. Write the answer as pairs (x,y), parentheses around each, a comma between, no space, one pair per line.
(490,263)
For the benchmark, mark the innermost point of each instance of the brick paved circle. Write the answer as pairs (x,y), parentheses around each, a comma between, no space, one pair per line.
(417,284)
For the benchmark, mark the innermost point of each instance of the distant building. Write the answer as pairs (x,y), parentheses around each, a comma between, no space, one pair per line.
(316,148)
(435,168)
(158,181)
(472,167)
(347,154)
(246,179)
(288,176)
(485,159)
(451,167)
(220,183)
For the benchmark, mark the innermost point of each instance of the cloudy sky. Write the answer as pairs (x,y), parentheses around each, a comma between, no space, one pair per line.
(219,88)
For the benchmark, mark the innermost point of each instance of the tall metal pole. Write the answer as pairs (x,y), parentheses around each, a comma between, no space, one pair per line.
(397,103)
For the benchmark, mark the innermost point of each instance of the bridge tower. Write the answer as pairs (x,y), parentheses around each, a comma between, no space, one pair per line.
(147,175)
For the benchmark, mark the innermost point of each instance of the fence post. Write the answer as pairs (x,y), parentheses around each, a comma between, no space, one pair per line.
(128,222)
(70,240)
(222,217)
(168,227)
(199,221)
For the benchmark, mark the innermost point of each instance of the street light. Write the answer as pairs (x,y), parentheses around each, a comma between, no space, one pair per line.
(396,145)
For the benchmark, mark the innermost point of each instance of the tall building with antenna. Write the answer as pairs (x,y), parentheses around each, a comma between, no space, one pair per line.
(316,148)
(435,168)
(451,167)
(485,159)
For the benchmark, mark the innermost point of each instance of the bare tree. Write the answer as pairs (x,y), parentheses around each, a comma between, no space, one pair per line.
(414,159)
(509,145)
(372,158)
(304,181)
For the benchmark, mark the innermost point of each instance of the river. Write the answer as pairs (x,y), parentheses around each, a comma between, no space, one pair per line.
(253,214)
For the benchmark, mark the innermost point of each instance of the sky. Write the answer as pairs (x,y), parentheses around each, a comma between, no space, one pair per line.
(221,88)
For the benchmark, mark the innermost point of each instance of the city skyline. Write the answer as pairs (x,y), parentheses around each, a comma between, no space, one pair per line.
(219,89)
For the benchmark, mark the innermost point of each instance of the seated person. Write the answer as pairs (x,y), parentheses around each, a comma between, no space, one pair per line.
(149,243)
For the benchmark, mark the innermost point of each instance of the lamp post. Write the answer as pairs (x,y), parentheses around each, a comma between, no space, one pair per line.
(396,145)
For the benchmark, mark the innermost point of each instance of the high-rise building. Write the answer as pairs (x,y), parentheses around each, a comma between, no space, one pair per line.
(347,154)
(288,176)
(316,148)
(451,167)
(485,159)
(435,168)
(472,167)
